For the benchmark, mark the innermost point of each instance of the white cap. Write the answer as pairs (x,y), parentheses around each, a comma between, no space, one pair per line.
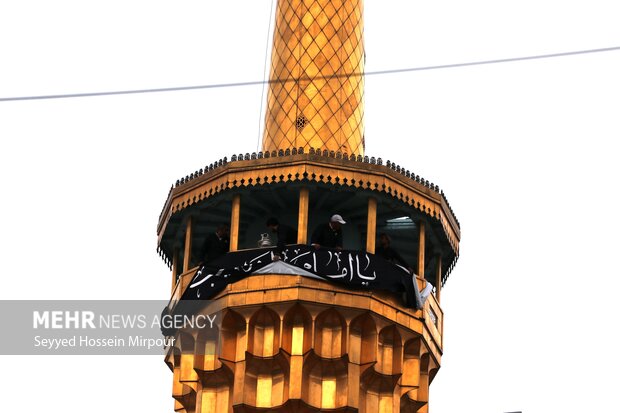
(337,218)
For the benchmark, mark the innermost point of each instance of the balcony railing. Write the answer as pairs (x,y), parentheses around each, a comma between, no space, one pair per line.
(432,312)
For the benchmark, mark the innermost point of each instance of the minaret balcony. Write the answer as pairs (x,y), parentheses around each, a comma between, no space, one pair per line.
(303,190)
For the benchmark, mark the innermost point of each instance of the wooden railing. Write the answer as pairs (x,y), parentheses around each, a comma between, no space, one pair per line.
(434,316)
(182,284)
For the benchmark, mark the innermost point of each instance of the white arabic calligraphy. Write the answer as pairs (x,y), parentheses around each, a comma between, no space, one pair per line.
(197,283)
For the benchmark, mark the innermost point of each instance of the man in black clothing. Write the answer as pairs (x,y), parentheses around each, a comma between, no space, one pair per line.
(385,251)
(286,235)
(328,235)
(215,245)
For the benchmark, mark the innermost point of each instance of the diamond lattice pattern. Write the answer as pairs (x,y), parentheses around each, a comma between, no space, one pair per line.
(318,47)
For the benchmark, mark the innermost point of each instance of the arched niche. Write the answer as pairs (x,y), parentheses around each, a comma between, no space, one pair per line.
(411,362)
(207,343)
(425,362)
(215,394)
(266,382)
(410,404)
(363,340)
(177,386)
(264,333)
(182,390)
(297,331)
(377,393)
(425,366)
(389,351)
(326,384)
(187,346)
(330,334)
(233,334)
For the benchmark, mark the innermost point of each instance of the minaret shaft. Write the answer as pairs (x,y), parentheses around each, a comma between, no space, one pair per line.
(315,98)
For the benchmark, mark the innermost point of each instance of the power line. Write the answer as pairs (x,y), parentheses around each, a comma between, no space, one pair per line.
(496,61)
(335,76)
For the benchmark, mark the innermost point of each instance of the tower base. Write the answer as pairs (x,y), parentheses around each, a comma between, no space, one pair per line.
(287,343)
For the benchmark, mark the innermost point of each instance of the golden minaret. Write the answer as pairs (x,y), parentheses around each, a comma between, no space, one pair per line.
(316,91)
(290,337)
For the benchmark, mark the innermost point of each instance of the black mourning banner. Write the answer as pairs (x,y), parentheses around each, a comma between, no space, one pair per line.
(353,269)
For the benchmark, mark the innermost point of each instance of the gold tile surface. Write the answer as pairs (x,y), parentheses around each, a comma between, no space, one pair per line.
(306,355)
(316,95)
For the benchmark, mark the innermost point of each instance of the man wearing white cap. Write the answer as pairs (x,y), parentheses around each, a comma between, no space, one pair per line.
(328,235)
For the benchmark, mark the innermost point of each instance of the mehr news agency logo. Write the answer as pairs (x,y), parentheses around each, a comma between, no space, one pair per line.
(73,321)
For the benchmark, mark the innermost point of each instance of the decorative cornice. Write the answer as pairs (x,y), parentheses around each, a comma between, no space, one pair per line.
(326,154)
(403,176)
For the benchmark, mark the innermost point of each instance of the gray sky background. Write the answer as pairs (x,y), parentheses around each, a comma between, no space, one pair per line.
(526,153)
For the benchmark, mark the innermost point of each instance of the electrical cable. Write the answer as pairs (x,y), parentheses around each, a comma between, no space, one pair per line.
(335,76)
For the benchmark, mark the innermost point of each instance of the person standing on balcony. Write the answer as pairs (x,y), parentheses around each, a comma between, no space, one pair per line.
(286,235)
(215,245)
(328,235)
(385,251)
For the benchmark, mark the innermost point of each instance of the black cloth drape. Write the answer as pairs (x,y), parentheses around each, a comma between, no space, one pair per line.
(353,269)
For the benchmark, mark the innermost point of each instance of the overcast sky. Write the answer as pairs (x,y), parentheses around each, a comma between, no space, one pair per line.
(526,153)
